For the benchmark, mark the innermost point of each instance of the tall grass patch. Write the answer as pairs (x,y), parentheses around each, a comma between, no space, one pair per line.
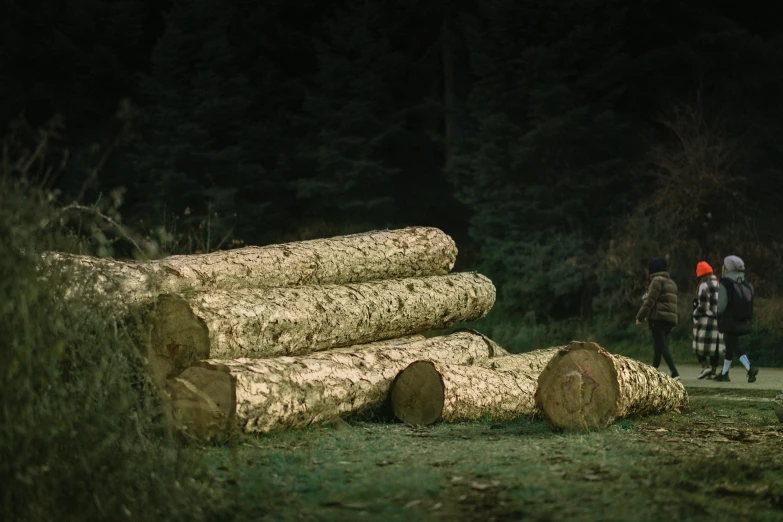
(80,433)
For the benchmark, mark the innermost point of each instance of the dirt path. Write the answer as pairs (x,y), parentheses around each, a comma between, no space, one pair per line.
(767,379)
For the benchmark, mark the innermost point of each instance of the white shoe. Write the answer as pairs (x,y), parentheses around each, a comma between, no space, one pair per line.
(676,378)
(704,372)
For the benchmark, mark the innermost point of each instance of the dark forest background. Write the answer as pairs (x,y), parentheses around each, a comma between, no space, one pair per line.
(560,144)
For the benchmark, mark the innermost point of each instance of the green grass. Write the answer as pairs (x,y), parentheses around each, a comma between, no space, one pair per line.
(720,461)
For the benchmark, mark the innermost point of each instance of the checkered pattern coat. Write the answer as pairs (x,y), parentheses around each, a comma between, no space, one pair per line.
(706,338)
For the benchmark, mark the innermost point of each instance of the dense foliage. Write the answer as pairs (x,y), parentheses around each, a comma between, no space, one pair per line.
(561,146)
(81,437)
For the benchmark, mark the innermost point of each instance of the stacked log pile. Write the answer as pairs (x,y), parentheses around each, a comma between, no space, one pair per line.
(285,336)
(269,322)
(260,395)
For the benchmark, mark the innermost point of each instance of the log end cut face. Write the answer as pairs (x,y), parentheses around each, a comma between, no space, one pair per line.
(178,337)
(417,394)
(203,402)
(578,389)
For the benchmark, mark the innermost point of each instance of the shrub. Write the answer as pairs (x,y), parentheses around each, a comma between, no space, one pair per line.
(765,344)
(80,438)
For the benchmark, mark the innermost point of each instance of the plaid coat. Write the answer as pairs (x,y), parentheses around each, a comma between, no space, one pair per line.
(706,338)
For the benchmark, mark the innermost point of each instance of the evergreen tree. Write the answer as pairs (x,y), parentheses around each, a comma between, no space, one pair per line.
(275,50)
(358,121)
(545,159)
(77,59)
(199,131)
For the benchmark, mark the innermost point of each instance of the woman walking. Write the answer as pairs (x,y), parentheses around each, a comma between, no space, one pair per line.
(659,309)
(735,315)
(707,341)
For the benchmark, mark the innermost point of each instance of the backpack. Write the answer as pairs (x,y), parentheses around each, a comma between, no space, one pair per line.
(738,316)
(741,299)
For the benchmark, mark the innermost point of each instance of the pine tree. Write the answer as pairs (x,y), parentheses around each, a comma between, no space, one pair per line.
(77,60)
(546,157)
(357,120)
(198,131)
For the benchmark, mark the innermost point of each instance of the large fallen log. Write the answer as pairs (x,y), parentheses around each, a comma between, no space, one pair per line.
(501,388)
(295,321)
(370,256)
(585,387)
(379,345)
(259,395)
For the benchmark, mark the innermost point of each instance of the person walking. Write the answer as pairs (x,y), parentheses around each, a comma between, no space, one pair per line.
(735,314)
(707,340)
(659,309)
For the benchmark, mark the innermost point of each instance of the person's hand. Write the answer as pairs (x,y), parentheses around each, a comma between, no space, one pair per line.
(638,322)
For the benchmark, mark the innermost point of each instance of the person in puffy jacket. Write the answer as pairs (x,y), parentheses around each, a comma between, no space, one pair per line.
(707,340)
(659,310)
(735,314)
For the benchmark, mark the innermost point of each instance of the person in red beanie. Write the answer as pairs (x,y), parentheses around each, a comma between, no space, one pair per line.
(707,341)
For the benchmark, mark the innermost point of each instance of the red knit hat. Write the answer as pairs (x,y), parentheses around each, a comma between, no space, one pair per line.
(703,268)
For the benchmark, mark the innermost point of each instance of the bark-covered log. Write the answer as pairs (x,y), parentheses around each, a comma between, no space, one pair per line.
(295,321)
(532,362)
(501,388)
(378,345)
(585,387)
(370,256)
(259,395)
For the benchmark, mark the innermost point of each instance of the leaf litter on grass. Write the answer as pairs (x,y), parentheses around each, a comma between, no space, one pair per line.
(692,466)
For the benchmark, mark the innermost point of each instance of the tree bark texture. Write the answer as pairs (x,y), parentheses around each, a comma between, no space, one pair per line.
(260,395)
(370,256)
(501,388)
(532,362)
(584,387)
(296,321)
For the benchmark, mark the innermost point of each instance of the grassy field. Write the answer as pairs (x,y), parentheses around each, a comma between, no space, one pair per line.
(720,461)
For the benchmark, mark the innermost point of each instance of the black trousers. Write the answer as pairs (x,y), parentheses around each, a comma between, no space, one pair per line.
(714,359)
(732,346)
(660,332)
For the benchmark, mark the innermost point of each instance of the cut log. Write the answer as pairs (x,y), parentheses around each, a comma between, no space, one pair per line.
(379,345)
(584,387)
(370,256)
(259,395)
(500,388)
(295,321)
(532,362)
